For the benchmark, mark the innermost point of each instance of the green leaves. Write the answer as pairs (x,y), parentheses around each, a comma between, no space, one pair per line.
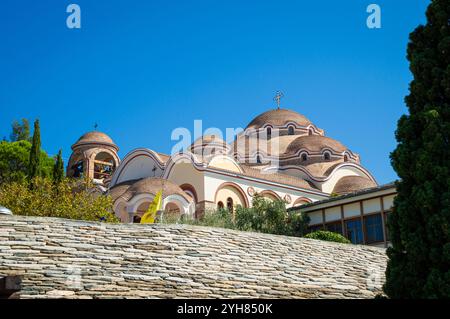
(70,198)
(328,236)
(418,265)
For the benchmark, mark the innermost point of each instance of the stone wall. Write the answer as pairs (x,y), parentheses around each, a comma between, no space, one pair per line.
(75,259)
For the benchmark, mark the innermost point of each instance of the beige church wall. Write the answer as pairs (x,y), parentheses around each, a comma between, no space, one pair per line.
(388,201)
(371,205)
(137,165)
(226,163)
(230,191)
(315,218)
(184,172)
(352,210)
(329,184)
(332,214)
(214,180)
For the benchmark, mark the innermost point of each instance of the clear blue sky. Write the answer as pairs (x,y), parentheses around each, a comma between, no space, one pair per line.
(142,68)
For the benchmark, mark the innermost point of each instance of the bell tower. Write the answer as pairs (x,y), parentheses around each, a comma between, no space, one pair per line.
(94,155)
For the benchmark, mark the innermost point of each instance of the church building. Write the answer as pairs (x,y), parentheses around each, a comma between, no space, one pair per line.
(279,155)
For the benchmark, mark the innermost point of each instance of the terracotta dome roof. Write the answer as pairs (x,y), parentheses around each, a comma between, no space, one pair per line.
(278,117)
(349,184)
(149,185)
(314,143)
(95,137)
(210,141)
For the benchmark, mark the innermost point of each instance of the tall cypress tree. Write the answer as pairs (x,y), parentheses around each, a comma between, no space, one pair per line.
(419,259)
(58,169)
(35,153)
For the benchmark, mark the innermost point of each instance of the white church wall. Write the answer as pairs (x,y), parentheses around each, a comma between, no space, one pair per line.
(372,205)
(332,214)
(185,173)
(214,180)
(138,164)
(388,201)
(352,210)
(329,184)
(315,218)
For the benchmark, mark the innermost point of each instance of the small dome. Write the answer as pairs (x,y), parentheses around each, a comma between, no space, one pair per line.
(314,143)
(210,141)
(95,137)
(278,117)
(349,184)
(150,185)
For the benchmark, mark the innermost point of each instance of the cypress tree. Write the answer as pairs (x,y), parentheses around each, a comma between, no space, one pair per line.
(35,153)
(419,259)
(58,169)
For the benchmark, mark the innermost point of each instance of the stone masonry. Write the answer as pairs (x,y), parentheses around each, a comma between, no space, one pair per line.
(61,258)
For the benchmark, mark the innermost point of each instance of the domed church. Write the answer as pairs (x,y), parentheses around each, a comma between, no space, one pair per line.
(279,155)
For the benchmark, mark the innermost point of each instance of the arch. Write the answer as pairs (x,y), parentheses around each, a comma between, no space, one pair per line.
(302,201)
(220,205)
(137,164)
(225,162)
(326,155)
(269,132)
(230,204)
(104,164)
(190,190)
(271,195)
(304,156)
(291,130)
(228,188)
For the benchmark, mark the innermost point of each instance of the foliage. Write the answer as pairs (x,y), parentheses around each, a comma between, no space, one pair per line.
(328,236)
(14,160)
(419,259)
(20,131)
(264,216)
(58,168)
(73,199)
(35,158)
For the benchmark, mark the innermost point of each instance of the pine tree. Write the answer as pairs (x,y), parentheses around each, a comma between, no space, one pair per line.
(419,259)
(35,153)
(20,131)
(58,169)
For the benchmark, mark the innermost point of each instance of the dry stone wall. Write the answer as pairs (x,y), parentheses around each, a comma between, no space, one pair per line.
(61,258)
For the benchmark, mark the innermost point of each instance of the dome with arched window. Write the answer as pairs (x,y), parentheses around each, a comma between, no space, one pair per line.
(278,117)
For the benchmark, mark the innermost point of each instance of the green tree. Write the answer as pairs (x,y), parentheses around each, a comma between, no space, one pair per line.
(71,198)
(14,160)
(58,168)
(35,159)
(419,259)
(268,216)
(20,131)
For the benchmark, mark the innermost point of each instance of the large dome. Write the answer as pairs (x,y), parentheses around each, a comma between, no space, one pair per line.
(315,143)
(278,117)
(95,137)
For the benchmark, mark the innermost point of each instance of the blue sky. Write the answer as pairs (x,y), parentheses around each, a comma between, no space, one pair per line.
(142,68)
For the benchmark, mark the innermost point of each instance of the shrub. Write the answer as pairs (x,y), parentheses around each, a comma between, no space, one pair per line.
(328,236)
(264,216)
(73,199)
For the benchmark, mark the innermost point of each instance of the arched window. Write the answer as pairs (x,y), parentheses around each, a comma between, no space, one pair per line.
(310,131)
(345,158)
(230,204)
(291,130)
(258,159)
(304,157)
(269,133)
(220,205)
(326,156)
